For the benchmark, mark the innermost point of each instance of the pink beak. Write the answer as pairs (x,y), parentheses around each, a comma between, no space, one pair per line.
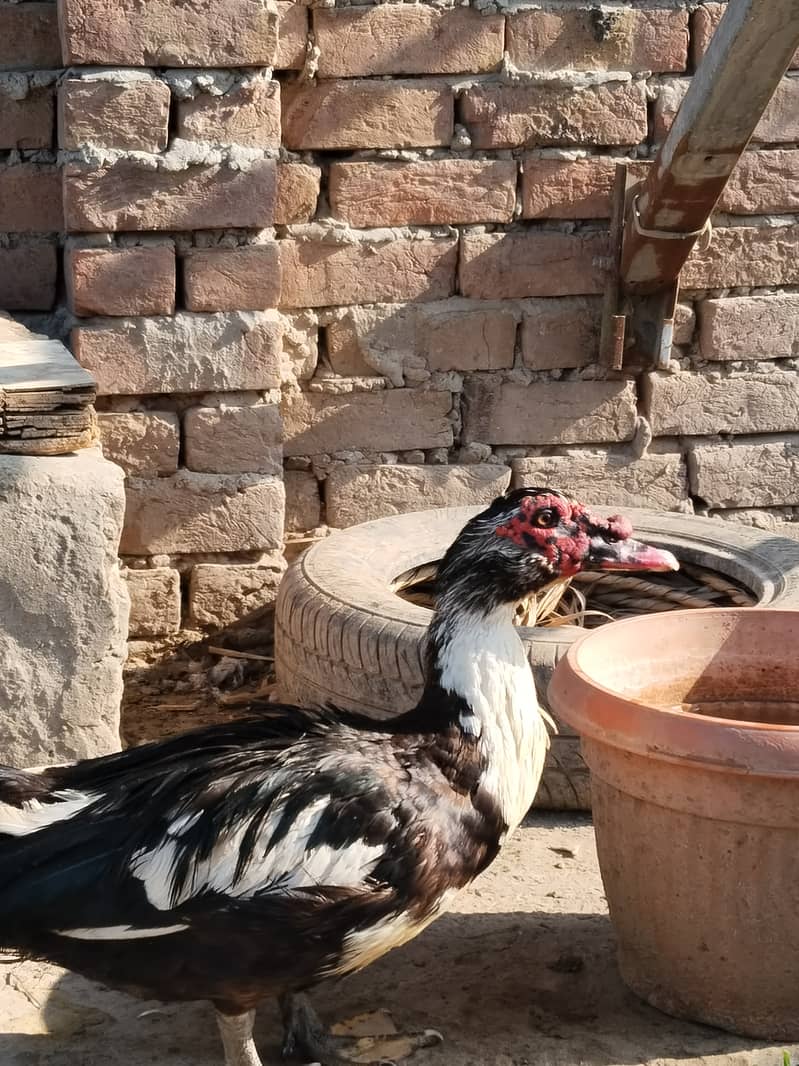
(628,554)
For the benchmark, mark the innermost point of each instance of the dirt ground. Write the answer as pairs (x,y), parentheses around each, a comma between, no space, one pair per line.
(521,973)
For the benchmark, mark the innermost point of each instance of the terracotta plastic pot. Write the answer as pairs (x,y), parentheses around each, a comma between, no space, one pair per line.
(690,728)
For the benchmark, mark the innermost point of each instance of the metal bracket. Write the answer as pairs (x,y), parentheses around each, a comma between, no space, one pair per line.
(637,329)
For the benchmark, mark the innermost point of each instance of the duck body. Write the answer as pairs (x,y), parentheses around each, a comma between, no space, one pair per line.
(263,856)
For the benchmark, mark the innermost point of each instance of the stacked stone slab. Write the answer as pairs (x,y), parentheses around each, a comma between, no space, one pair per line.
(364,246)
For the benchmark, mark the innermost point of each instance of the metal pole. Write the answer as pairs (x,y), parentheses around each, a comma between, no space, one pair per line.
(747,58)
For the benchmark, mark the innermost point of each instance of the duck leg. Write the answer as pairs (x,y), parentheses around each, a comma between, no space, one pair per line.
(306,1037)
(236,1032)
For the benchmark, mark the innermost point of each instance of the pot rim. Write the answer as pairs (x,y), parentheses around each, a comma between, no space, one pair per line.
(759,748)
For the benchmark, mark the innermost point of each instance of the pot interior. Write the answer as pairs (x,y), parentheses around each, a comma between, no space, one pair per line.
(736,665)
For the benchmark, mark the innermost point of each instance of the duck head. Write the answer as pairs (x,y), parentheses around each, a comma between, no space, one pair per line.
(531,537)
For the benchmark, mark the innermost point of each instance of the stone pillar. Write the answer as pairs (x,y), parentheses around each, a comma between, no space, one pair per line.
(63,607)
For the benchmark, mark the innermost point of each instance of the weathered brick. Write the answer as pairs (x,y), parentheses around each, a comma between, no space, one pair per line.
(457,335)
(121,281)
(130,114)
(292,35)
(202,513)
(187,353)
(763,182)
(316,274)
(303,505)
(744,255)
(28,277)
(144,444)
(388,420)
(222,595)
(704,23)
(750,327)
(610,479)
(29,37)
(360,493)
(548,412)
(234,440)
(503,116)
(367,114)
(749,473)
(570,188)
(248,114)
(510,265)
(684,324)
(30,199)
(591,38)
(346,340)
(558,334)
(129,196)
(691,404)
(406,39)
(232,279)
(27,121)
(214,33)
(779,124)
(452,191)
(154,601)
(297,193)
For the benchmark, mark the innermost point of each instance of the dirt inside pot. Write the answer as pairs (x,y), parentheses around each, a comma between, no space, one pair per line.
(593,598)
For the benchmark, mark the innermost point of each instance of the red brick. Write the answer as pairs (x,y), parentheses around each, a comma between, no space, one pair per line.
(129,196)
(121,281)
(145,444)
(297,193)
(191,513)
(232,279)
(155,601)
(750,327)
(29,37)
(387,420)
(185,353)
(558,334)
(447,191)
(28,277)
(316,274)
(458,335)
(510,265)
(211,33)
(548,412)
(744,255)
(130,115)
(764,182)
(234,440)
(26,123)
(593,39)
(292,35)
(704,23)
(779,124)
(367,114)
(30,199)
(248,114)
(507,116)
(406,39)
(569,188)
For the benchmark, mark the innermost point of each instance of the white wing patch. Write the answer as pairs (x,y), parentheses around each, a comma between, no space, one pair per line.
(119,932)
(288,865)
(34,815)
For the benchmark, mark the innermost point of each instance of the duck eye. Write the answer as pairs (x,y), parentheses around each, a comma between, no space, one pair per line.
(546,518)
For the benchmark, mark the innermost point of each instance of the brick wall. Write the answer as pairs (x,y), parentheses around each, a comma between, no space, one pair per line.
(352,257)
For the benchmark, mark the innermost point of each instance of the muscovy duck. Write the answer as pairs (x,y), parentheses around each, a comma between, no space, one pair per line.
(260,857)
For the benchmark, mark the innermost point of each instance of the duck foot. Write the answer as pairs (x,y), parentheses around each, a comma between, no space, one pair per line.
(370,1039)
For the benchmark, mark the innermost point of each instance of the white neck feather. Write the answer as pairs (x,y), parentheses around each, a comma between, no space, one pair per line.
(482,659)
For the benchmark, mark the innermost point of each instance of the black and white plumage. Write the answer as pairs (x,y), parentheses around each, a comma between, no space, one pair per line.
(261,857)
